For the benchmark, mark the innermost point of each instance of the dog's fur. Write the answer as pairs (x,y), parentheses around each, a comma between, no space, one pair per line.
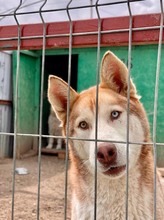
(111,156)
(54,129)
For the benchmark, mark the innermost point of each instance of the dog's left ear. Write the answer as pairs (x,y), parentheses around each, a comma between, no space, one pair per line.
(114,75)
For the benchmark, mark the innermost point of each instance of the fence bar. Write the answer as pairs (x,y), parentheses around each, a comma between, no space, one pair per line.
(80,139)
(128,110)
(41,107)
(96,115)
(68,108)
(82,33)
(16,109)
(156,106)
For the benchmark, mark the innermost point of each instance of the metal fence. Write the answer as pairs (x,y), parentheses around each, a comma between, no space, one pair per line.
(18,39)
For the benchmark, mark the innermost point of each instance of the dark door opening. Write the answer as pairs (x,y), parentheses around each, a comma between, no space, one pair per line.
(57,65)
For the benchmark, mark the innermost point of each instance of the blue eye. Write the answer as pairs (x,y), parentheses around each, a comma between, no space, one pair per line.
(115,115)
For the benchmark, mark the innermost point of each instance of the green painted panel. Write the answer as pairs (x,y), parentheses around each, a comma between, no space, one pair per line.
(28,100)
(143,72)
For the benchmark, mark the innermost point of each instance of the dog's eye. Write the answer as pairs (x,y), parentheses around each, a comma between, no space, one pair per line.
(115,115)
(83,125)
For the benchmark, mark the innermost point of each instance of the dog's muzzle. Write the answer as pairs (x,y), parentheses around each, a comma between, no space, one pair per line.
(107,157)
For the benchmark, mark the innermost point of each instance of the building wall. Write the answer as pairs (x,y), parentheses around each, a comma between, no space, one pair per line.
(143,72)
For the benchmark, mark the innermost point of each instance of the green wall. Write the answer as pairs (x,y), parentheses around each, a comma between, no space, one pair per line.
(143,72)
(28,100)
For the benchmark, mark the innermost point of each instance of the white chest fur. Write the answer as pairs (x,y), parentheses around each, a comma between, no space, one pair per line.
(111,201)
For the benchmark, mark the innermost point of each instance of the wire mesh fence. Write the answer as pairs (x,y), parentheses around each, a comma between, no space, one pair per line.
(101,34)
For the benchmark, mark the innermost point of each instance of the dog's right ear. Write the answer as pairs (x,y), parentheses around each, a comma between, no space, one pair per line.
(58,96)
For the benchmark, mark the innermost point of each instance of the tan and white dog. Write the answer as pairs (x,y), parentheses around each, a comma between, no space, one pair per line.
(111,147)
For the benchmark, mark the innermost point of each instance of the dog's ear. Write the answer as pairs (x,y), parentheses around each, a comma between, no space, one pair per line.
(114,75)
(58,96)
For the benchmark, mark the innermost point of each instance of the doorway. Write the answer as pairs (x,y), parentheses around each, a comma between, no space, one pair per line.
(57,65)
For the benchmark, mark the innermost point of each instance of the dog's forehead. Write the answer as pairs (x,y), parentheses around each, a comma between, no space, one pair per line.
(106,97)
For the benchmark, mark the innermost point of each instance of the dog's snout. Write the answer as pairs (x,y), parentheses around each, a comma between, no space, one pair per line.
(106,154)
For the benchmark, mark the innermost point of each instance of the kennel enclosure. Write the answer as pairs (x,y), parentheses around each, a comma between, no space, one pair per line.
(114,37)
(136,39)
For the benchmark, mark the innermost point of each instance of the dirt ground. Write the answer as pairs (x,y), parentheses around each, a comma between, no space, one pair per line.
(26,188)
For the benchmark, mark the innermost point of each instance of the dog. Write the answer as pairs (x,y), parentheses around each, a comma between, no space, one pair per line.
(54,129)
(110,149)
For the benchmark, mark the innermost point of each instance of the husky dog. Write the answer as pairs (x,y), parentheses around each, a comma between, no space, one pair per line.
(54,129)
(110,149)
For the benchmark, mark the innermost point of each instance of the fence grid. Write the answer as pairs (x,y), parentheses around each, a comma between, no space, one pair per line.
(17,42)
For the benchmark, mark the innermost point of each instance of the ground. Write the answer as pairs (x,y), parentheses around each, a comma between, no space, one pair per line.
(26,188)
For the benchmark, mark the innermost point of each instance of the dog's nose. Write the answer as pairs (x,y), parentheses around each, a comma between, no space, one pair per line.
(106,154)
